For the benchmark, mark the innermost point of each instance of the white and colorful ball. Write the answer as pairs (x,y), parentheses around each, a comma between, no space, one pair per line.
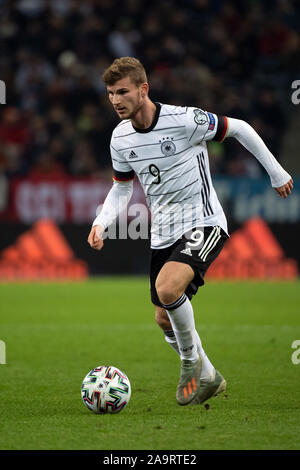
(106,389)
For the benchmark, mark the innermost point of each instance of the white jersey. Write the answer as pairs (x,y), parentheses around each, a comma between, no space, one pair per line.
(170,159)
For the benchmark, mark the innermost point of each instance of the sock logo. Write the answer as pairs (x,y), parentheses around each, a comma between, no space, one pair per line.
(189,348)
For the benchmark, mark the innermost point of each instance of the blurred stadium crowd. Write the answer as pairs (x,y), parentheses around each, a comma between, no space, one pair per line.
(229,57)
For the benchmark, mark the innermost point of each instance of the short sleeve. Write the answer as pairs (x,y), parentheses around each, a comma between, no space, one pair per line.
(202,125)
(122,170)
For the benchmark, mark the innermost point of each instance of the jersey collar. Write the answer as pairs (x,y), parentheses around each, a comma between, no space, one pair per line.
(154,122)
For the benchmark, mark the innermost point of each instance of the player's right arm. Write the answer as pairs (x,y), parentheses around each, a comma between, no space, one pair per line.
(95,237)
(116,200)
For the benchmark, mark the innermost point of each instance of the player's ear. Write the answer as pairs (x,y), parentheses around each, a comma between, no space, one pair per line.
(144,89)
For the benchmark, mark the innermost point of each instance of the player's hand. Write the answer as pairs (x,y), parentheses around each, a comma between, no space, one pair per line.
(286,189)
(95,237)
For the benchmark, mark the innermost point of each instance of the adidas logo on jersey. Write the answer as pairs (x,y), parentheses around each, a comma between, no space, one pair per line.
(187,251)
(132,154)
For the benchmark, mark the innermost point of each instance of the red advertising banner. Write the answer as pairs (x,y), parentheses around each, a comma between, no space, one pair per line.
(42,252)
(63,200)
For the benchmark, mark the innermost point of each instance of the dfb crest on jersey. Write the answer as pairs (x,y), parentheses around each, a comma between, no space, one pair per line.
(168,147)
(200,117)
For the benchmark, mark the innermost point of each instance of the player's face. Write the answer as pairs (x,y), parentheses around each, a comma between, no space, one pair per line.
(126,97)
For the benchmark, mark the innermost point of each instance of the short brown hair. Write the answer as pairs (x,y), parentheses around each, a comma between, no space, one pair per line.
(125,67)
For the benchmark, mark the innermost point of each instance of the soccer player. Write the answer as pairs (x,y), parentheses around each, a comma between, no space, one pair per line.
(165,146)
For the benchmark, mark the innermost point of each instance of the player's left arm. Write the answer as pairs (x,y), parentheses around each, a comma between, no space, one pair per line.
(281,181)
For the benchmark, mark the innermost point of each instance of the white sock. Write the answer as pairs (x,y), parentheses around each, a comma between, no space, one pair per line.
(208,368)
(181,316)
(171,340)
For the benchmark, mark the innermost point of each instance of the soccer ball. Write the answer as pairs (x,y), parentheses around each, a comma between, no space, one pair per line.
(106,389)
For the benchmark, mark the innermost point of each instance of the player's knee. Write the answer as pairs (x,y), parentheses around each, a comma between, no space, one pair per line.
(166,292)
(162,319)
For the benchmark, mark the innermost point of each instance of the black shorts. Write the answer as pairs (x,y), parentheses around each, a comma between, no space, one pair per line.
(198,248)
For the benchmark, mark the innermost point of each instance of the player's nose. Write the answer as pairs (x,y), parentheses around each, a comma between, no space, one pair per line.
(115,100)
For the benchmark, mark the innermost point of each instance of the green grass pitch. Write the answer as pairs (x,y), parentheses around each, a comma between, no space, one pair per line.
(55,333)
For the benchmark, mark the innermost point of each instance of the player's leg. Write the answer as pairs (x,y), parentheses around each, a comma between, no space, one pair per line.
(199,256)
(163,321)
(158,260)
(171,283)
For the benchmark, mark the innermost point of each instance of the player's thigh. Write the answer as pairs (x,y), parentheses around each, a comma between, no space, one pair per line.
(174,277)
